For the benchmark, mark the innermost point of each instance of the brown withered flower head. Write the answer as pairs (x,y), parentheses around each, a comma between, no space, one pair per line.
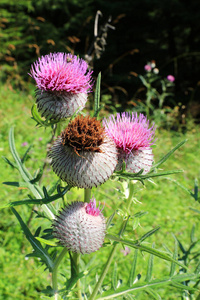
(84,155)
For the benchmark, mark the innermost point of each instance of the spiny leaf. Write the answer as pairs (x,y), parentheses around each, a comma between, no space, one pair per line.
(148,234)
(110,220)
(133,269)
(13,165)
(123,228)
(150,267)
(47,242)
(154,294)
(141,178)
(37,177)
(17,184)
(164,158)
(153,284)
(175,256)
(192,236)
(114,277)
(23,171)
(137,245)
(41,201)
(39,250)
(97,96)
(25,154)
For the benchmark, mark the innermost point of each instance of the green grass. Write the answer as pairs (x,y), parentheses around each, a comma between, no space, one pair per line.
(167,204)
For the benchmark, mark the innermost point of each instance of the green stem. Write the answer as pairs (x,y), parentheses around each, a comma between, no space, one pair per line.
(55,272)
(76,261)
(130,196)
(103,274)
(87,195)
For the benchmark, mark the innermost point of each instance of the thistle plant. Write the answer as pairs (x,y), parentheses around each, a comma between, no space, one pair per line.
(87,151)
(158,90)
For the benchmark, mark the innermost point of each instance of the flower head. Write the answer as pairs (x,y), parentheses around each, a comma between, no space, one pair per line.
(79,228)
(147,68)
(171,78)
(83,155)
(133,138)
(62,84)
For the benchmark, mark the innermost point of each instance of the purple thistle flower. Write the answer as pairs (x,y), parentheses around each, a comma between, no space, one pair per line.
(133,138)
(83,155)
(147,68)
(171,78)
(91,208)
(62,84)
(78,230)
(126,251)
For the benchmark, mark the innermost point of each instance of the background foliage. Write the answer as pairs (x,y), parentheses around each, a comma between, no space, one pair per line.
(167,32)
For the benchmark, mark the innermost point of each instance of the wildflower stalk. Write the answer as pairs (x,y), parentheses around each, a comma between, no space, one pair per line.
(87,195)
(55,272)
(76,262)
(103,274)
(130,186)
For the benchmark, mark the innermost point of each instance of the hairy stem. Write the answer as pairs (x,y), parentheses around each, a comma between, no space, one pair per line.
(130,196)
(76,261)
(55,272)
(104,272)
(87,195)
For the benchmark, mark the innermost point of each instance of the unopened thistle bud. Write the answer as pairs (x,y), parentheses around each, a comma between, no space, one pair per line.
(84,155)
(80,227)
(62,84)
(133,138)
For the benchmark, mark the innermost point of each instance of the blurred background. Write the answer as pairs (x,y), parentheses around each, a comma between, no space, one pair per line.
(117,38)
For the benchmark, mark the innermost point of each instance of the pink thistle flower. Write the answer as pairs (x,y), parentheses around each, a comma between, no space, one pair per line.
(24,144)
(133,138)
(62,84)
(84,155)
(147,68)
(79,228)
(91,208)
(126,251)
(171,78)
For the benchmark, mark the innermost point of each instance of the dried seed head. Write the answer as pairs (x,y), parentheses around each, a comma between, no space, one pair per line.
(84,134)
(83,155)
(80,227)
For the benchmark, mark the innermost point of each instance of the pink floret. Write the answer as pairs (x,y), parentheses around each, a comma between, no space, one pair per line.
(91,208)
(62,72)
(130,131)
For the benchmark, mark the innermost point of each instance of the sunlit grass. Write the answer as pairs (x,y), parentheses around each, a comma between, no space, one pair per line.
(167,204)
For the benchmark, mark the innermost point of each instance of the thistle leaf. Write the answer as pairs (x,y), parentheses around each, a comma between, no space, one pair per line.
(175,256)
(165,157)
(141,247)
(133,269)
(46,242)
(39,251)
(97,96)
(13,165)
(148,234)
(145,286)
(114,277)
(23,171)
(150,267)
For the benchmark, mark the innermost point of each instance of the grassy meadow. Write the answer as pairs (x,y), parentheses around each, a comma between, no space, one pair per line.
(168,205)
